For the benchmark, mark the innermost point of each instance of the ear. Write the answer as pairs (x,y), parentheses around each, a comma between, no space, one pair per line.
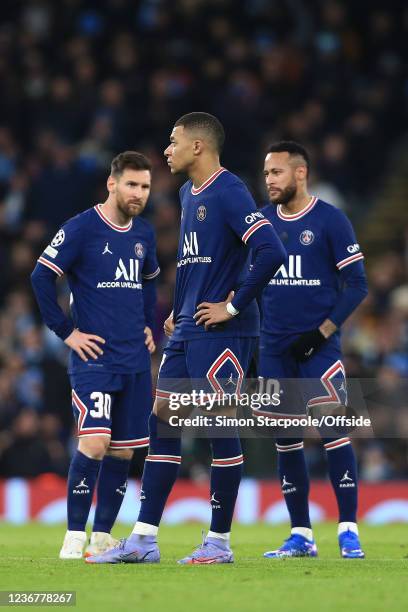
(198,147)
(301,173)
(111,183)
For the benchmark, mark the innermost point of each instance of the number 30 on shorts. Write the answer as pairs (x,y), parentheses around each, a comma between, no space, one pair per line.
(103,402)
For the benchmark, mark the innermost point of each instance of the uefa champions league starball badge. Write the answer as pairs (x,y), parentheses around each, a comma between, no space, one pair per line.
(139,250)
(58,238)
(306,237)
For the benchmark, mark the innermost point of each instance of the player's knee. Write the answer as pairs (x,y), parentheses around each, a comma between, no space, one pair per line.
(94,447)
(123,453)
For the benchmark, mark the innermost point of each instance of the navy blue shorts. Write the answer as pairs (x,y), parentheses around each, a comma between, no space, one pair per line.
(319,381)
(217,364)
(115,405)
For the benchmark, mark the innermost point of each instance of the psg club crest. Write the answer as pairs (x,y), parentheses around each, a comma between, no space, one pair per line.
(58,238)
(306,237)
(139,250)
(201,213)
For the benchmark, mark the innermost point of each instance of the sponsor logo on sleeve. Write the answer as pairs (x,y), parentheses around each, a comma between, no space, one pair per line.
(255,216)
(353,248)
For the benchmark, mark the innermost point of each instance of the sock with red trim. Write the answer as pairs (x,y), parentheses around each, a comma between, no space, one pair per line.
(294,480)
(226,474)
(161,469)
(343,475)
(82,476)
(110,492)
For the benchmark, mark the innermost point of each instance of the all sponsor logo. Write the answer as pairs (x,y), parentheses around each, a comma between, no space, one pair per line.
(190,244)
(191,251)
(126,276)
(290,274)
(353,248)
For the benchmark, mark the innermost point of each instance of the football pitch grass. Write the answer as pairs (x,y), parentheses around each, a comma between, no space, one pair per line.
(29,561)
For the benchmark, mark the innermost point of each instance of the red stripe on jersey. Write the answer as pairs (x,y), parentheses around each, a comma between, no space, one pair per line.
(345,262)
(296,216)
(153,275)
(253,229)
(118,228)
(208,182)
(51,266)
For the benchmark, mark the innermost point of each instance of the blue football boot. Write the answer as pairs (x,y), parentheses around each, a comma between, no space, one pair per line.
(295,546)
(350,547)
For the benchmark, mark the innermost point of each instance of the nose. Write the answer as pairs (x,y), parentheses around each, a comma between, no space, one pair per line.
(167,151)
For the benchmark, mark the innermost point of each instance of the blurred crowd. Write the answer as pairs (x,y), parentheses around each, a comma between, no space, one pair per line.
(83,80)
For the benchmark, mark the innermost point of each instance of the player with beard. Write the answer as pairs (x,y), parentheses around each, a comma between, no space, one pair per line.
(303,308)
(108,253)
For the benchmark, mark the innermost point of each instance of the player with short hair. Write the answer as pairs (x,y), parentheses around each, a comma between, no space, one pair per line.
(108,253)
(212,331)
(303,308)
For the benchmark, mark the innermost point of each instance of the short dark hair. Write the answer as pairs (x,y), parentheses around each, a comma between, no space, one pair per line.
(129,159)
(207,123)
(291,147)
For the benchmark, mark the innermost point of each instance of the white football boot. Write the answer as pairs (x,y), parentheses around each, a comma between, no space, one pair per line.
(100,543)
(73,546)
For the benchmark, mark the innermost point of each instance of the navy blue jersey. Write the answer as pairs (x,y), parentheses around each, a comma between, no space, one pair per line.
(219,222)
(106,265)
(322,254)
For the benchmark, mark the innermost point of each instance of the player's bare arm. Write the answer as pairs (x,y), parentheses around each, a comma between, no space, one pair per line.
(85,345)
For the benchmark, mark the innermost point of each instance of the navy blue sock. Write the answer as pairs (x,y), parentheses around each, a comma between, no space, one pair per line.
(160,471)
(343,475)
(110,492)
(82,476)
(226,473)
(294,480)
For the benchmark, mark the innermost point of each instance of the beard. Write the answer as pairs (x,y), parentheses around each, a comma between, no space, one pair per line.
(285,195)
(125,207)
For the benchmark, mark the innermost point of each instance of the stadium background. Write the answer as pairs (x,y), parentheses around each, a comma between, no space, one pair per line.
(83,80)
